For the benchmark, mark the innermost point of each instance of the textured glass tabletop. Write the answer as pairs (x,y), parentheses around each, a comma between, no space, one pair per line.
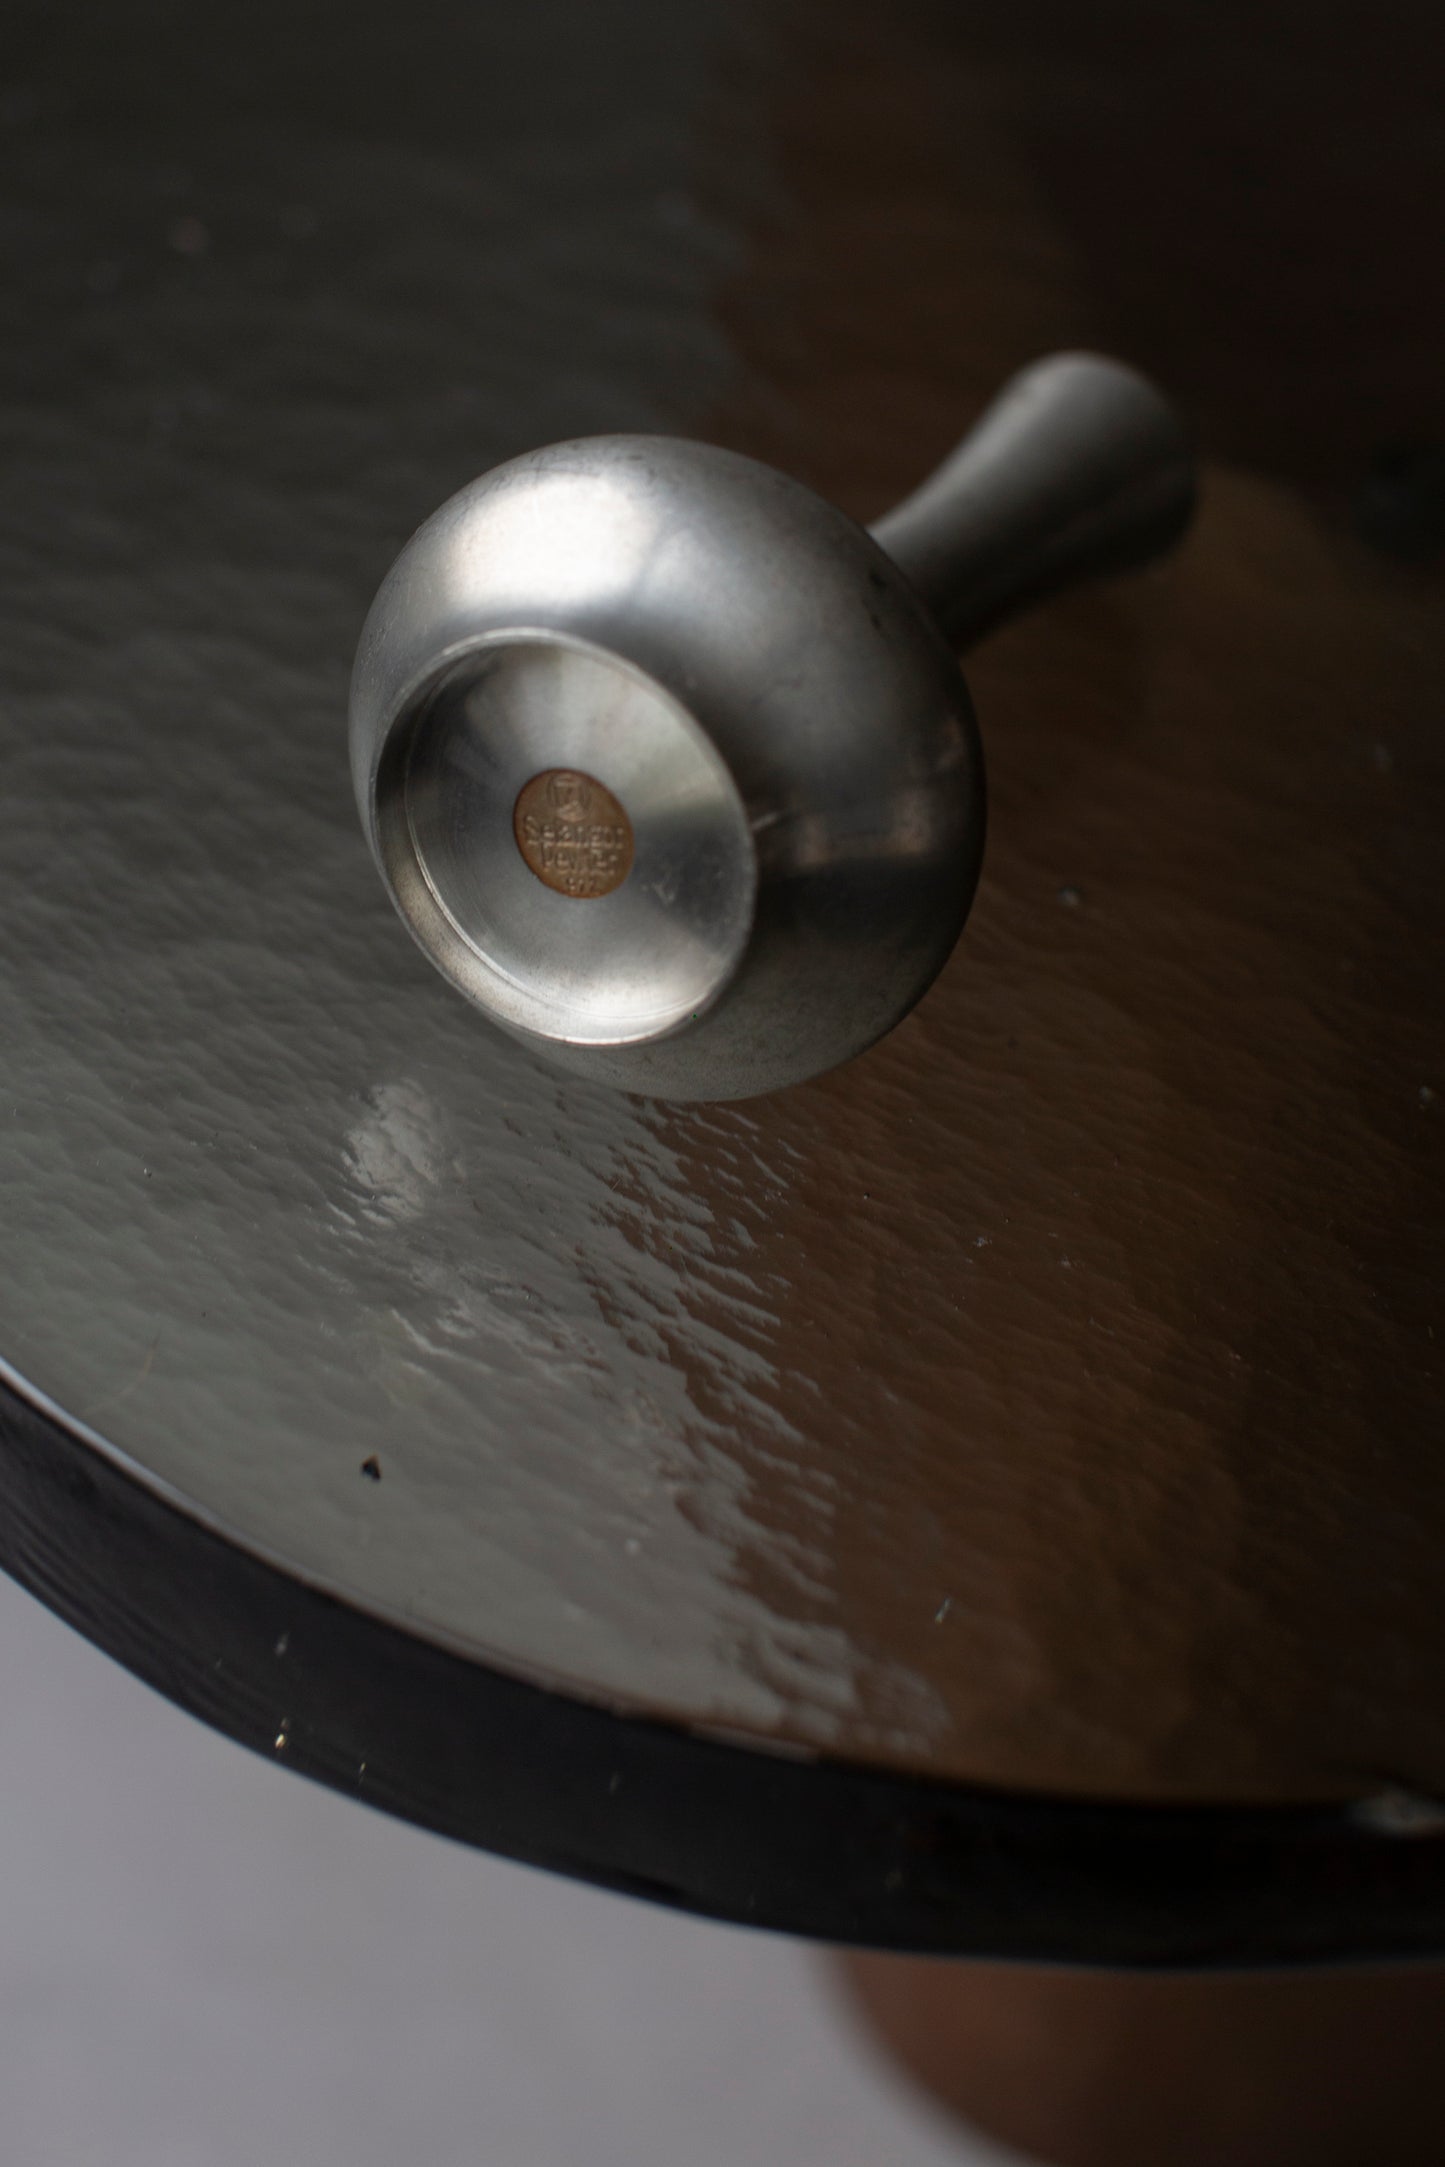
(1013,1410)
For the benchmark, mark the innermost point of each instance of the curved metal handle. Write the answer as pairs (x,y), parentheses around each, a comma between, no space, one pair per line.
(1080,467)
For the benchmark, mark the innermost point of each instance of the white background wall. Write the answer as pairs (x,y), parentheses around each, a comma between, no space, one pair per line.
(207,1962)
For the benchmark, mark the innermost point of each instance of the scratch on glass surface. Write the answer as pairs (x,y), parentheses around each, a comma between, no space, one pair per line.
(124,1391)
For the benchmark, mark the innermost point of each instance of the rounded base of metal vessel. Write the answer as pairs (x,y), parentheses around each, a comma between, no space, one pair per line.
(666,767)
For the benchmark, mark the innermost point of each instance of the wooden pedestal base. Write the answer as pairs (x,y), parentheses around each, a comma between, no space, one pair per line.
(1091,2069)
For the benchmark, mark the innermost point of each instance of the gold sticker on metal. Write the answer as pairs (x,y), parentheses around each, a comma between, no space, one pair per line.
(573,833)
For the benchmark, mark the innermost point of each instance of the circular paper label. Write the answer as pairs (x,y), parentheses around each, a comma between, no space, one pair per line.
(573,833)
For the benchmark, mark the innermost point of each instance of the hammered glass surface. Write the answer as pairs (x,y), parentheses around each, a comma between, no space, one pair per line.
(1051,1398)
(277,1205)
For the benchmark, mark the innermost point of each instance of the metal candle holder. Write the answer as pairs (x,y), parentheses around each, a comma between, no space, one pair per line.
(670,767)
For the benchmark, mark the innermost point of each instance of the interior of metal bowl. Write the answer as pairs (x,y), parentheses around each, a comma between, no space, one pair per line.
(566,842)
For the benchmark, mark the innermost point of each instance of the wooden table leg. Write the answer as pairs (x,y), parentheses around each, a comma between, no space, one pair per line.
(1106,2069)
